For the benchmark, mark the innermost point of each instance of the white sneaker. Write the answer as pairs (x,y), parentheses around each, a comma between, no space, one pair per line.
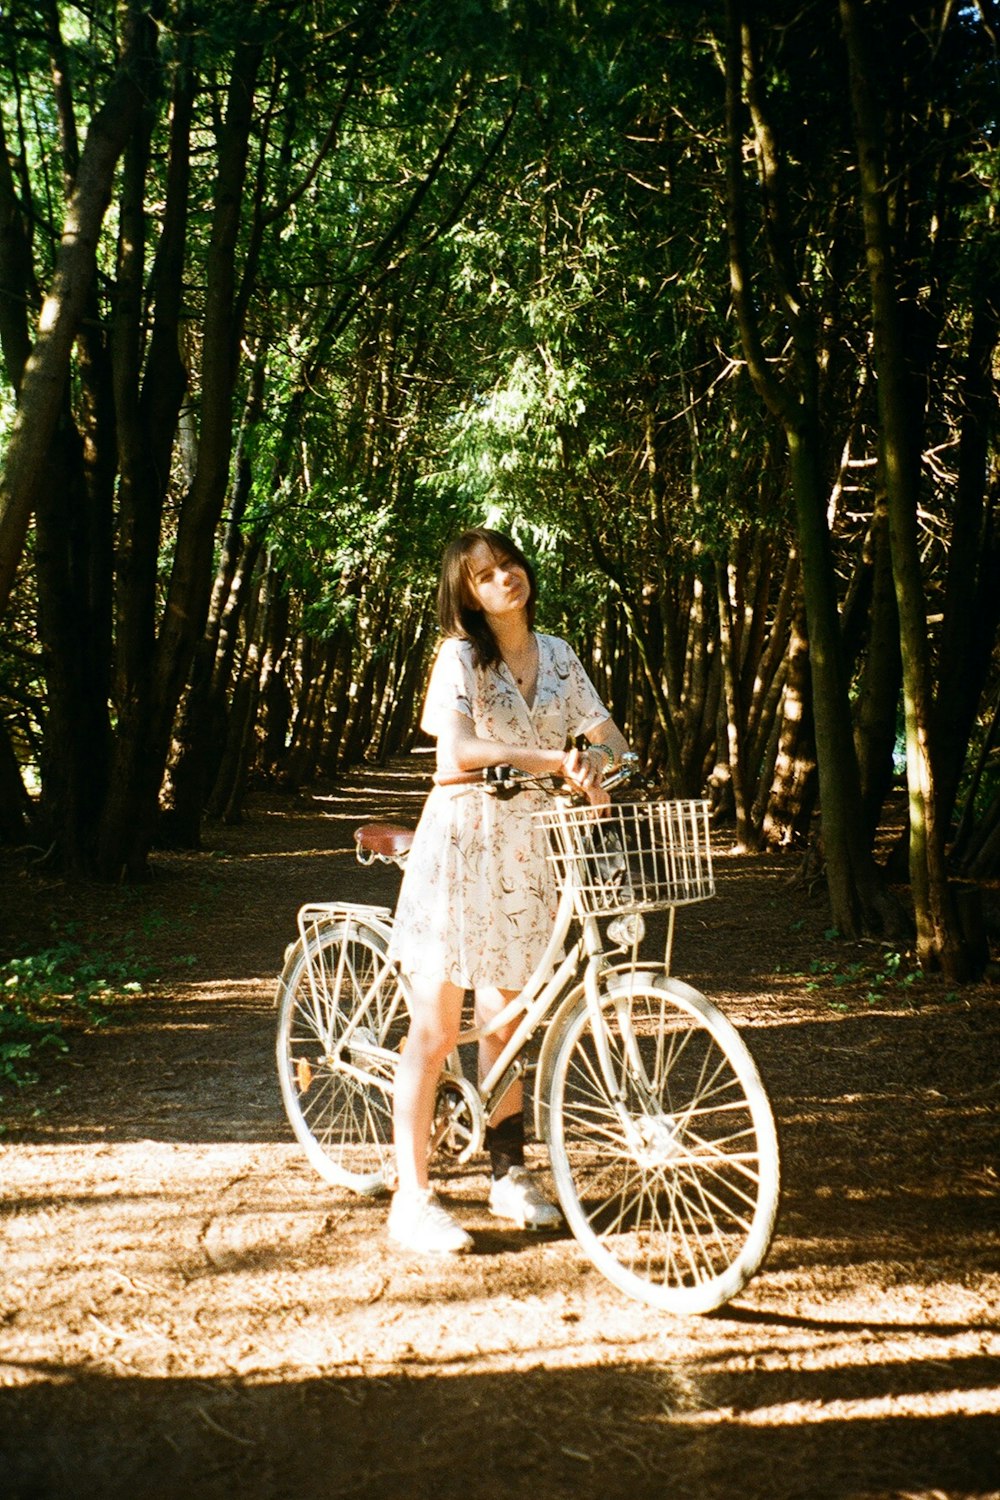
(518,1197)
(418,1222)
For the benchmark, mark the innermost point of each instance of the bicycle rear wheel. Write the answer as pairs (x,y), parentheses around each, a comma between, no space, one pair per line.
(670,1180)
(342,1020)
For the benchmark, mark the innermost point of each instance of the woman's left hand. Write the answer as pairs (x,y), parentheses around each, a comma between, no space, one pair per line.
(581,770)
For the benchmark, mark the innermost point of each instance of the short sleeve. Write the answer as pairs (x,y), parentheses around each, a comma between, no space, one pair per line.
(451,688)
(584,708)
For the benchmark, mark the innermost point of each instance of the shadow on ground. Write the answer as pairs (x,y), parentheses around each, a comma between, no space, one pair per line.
(434,1437)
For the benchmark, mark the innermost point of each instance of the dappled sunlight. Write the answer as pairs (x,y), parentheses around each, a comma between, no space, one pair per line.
(177,1279)
(922,1405)
(246,988)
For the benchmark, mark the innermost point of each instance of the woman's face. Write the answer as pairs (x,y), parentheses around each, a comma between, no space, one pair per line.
(498,585)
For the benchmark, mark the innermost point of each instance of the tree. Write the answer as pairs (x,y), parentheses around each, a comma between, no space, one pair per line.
(42,380)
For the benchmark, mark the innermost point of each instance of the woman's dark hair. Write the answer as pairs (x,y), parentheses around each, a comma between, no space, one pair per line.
(455,613)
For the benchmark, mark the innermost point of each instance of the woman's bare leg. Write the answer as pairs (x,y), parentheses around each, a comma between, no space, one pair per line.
(514,1193)
(489,1003)
(435,1018)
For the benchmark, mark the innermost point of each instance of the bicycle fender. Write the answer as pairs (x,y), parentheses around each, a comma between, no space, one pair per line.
(372,916)
(610,983)
(574,1001)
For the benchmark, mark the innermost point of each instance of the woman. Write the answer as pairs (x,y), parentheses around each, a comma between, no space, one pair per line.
(477,900)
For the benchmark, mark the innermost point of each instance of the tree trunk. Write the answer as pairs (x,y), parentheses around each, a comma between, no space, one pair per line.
(275,698)
(972,596)
(768,688)
(200,734)
(16,274)
(143,743)
(734,717)
(44,377)
(973,835)
(146,440)
(792,798)
(72,540)
(878,698)
(939,943)
(226,798)
(852,880)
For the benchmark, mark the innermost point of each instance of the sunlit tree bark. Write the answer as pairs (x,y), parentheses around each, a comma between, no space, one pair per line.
(45,372)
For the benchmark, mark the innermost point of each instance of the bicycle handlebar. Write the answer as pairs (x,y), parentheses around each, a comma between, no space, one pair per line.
(508,780)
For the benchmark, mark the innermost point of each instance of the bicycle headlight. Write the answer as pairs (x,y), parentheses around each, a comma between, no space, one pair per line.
(628,930)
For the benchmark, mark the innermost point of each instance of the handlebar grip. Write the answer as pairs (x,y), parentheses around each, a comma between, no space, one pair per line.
(490,776)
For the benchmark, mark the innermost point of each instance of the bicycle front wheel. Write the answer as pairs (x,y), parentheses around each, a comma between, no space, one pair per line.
(342,1021)
(669,1179)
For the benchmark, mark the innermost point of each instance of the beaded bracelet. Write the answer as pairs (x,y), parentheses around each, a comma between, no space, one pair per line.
(605,750)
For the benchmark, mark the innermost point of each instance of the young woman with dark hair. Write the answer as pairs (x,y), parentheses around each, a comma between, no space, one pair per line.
(478,898)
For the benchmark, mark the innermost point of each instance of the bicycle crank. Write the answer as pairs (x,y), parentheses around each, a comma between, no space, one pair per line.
(458,1119)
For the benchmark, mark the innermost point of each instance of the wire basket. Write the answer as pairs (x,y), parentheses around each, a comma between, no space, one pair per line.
(632,856)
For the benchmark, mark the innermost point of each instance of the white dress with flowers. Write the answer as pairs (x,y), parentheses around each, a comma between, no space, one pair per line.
(478,897)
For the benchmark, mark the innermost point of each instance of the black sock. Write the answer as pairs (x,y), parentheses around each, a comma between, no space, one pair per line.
(505,1143)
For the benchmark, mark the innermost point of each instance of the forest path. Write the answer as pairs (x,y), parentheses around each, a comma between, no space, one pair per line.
(186,1310)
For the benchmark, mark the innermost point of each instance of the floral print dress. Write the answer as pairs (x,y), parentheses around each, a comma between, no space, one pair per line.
(478,895)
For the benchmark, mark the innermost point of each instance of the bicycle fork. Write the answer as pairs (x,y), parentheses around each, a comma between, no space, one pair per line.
(649,1132)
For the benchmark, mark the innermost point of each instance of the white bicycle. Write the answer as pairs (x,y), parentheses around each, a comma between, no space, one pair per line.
(661,1139)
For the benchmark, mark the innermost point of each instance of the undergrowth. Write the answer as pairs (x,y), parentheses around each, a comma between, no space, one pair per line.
(892,978)
(43,994)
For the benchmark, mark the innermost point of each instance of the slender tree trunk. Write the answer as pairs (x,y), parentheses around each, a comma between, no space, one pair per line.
(226,798)
(938,938)
(276,700)
(793,792)
(972,596)
(201,731)
(16,274)
(769,684)
(43,381)
(970,834)
(856,897)
(734,717)
(143,744)
(878,698)
(146,439)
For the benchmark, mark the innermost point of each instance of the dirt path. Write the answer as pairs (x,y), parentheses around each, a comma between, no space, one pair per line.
(187,1311)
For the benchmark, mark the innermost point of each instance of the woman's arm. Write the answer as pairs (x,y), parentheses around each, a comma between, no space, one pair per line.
(460,748)
(608,733)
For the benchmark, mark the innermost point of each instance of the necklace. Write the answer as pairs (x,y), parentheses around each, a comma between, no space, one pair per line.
(526,658)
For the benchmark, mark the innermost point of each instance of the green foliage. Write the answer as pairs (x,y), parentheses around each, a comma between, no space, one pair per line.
(892,979)
(42,994)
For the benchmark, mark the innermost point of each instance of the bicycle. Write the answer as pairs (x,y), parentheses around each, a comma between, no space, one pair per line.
(661,1138)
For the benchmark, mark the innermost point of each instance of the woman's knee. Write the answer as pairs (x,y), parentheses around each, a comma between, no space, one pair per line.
(430,1040)
(489,1003)
(435,1022)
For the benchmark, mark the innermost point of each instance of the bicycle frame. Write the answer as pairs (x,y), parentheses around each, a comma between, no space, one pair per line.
(550,983)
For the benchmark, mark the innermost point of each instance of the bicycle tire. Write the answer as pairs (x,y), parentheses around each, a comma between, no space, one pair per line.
(673,1193)
(338,1098)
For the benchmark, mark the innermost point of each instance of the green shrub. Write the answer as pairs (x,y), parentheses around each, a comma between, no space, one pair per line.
(41,994)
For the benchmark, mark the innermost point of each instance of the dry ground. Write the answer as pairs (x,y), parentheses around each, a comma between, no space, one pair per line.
(187,1311)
